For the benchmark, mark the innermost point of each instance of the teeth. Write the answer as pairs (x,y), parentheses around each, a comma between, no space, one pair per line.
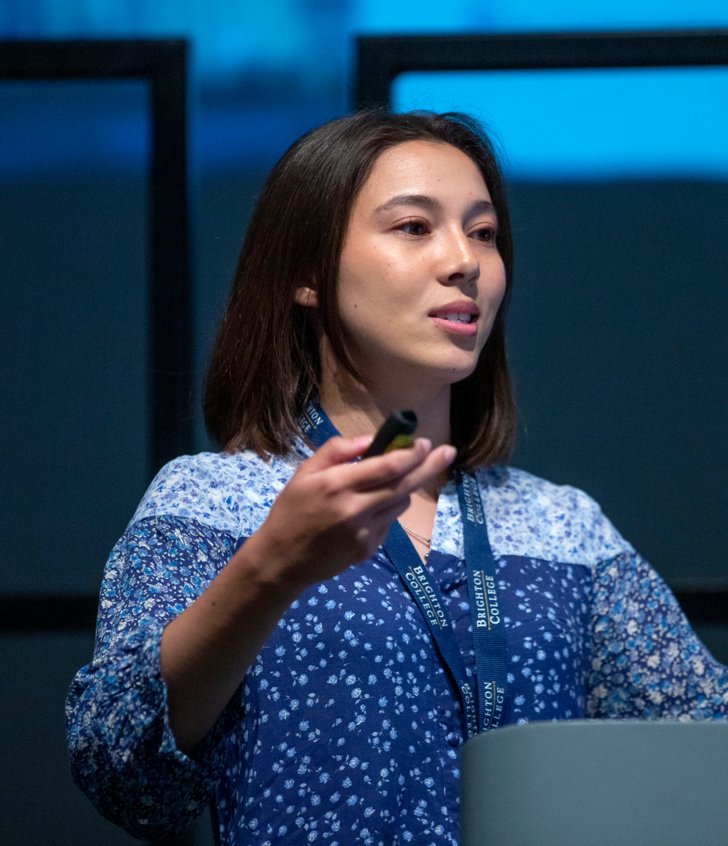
(458,317)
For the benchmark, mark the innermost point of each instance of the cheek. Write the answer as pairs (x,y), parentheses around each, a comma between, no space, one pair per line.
(494,284)
(493,297)
(499,289)
(502,291)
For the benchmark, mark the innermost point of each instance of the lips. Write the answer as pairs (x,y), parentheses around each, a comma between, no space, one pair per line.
(459,318)
(463,311)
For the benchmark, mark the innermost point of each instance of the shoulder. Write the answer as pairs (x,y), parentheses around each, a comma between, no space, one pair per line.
(531,516)
(231,492)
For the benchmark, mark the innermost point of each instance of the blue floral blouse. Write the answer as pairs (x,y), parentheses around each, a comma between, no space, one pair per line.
(346,728)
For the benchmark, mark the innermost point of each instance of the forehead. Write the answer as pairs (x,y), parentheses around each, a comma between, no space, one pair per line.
(424,167)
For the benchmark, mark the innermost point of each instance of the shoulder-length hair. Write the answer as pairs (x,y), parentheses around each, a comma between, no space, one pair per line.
(265,361)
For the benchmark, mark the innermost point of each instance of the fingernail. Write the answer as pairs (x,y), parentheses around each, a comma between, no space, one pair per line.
(361,441)
(449,453)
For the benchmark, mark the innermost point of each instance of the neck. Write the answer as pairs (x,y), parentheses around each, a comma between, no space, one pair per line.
(359,410)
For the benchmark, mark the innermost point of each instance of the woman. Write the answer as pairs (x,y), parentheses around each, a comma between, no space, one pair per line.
(257,644)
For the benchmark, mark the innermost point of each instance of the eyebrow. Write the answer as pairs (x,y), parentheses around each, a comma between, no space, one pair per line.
(424,200)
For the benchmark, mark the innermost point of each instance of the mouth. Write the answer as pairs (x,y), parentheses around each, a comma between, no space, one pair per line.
(456,316)
(459,318)
(460,311)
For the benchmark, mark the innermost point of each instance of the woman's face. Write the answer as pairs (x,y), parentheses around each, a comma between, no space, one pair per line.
(421,278)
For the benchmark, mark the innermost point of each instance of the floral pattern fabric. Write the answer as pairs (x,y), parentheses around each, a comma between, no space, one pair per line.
(346,727)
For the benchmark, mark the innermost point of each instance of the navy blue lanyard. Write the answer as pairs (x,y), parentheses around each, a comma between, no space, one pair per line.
(489,635)
(483,707)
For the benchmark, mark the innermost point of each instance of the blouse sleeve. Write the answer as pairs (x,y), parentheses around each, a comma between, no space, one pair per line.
(646,662)
(123,753)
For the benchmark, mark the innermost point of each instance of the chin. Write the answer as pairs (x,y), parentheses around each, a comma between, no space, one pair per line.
(440,369)
(454,371)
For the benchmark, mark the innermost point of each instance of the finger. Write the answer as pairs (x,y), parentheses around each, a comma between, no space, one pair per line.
(390,511)
(337,450)
(430,468)
(437,461)
(385,470)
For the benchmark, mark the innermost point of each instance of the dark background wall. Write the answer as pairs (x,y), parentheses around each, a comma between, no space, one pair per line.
(617,328)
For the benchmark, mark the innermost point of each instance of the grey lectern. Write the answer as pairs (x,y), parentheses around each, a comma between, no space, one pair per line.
(596,783)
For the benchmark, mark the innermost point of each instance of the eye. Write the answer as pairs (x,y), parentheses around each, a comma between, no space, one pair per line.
(414,227)
(487,234)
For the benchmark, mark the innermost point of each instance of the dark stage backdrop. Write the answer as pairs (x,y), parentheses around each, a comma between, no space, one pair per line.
(617,342)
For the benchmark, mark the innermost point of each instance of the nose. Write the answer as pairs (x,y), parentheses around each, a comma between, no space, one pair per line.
(461,262)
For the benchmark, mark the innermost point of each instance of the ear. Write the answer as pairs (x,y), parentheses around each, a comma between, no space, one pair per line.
(306,297)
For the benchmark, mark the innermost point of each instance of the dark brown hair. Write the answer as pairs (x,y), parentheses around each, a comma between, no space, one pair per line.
(265,362)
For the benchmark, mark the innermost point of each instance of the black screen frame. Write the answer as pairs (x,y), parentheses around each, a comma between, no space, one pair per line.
(163,65)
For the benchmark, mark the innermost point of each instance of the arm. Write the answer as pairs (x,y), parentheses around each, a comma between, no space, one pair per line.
(330,515)
(183,614)
(123,752)
(646,660)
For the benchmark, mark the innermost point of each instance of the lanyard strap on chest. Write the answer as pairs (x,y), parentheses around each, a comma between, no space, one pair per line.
(483,707)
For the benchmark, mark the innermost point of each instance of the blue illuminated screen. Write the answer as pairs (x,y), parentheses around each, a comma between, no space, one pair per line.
(605,123)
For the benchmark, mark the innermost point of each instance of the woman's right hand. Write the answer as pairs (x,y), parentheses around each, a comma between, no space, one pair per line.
(331,514)
(335,512)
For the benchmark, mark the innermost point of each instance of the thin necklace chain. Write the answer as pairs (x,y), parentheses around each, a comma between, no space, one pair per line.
(421,538)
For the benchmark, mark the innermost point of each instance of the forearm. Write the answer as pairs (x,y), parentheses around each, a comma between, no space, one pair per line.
(123,753)
(330,515)
(208,648)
